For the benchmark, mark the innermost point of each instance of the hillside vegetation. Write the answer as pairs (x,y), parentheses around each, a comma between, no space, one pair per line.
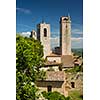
(78,51)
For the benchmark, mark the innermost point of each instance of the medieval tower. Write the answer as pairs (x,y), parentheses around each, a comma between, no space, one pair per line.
(65,35)
(33,34)
(43,35)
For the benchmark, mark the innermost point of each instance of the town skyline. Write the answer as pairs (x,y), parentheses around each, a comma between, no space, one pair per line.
(30,13)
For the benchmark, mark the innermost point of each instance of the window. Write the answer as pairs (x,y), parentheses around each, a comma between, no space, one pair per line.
(73,84)
(45,32)
(54,61)
(49,88)
(65,19)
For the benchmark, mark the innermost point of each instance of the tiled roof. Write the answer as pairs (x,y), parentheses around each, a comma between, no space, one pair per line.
(55,76)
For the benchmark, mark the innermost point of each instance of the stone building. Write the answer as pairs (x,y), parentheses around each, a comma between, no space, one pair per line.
(33,34)
(63,53)
(55,81)
(65,35)
(43,35)
(58,62)
(61,58)
(74,81)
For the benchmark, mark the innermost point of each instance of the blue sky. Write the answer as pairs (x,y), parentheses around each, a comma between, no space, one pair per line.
(31,12)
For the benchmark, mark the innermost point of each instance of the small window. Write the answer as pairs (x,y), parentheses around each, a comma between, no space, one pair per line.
(73,84)
(45,32)
(54,61)
(65,19)
(49,88)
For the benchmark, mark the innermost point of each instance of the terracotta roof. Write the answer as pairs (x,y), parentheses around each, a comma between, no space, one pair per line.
(67,61)
(55,76)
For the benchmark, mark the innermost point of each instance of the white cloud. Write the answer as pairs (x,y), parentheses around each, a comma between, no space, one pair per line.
(56,39)
(76,31)
(76,42)
(26,34)
(76,39)
(24,25)
(26,11)
(54,42)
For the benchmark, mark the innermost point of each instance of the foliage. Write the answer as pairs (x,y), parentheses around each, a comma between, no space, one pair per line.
(55,96)
(76,95)
(73,95)
(51,69)
(74,69)
(78,52)
(42,75)
(29,53)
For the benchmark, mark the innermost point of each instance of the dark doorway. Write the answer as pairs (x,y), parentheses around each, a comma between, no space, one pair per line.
(49,88)
(73,84)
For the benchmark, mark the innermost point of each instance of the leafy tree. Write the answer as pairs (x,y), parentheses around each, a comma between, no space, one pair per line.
(29,53)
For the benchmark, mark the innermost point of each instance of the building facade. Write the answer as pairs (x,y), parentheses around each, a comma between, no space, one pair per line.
(55,81)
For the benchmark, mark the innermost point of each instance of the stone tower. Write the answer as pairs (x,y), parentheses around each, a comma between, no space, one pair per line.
(33,34)
(65,35)
(43,35)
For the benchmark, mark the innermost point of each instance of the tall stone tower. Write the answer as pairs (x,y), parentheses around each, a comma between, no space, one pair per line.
(65,35)
(43,35)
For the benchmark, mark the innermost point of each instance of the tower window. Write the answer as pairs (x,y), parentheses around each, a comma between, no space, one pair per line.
(49,88)
(45,32)
(65,19)
(54,61)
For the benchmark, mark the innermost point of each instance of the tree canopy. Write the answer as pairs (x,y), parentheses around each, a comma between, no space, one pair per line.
(29,53)
(54,96)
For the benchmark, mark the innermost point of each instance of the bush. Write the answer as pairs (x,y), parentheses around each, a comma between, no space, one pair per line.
(76,95)
(55,96)
(74,70)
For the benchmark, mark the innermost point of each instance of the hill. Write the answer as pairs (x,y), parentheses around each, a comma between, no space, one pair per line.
(78,51)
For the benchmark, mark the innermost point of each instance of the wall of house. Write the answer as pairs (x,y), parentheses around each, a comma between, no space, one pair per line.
(55,68)
(53,59)
(56,86)
(77,78)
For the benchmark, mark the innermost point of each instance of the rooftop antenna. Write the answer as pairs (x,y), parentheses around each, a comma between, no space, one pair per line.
(68,13)
(43,20)
(69,16)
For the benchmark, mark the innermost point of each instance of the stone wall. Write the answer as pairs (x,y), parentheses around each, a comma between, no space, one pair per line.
(76,79)
(56,86)
(54,59)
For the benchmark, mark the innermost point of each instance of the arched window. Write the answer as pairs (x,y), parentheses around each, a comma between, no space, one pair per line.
(45,32)
(65,19)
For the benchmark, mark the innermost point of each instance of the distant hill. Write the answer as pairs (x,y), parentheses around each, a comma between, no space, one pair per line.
(78,51)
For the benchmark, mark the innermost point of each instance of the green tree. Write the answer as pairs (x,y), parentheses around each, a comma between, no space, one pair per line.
(55,96)
(29,53)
